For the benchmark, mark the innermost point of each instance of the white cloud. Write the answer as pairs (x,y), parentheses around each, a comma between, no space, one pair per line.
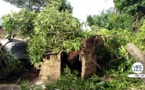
(83,8)
(6,8)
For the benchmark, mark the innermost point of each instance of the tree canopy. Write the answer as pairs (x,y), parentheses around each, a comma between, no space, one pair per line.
(131,7)
(38,5)
(130,15)
(109,20)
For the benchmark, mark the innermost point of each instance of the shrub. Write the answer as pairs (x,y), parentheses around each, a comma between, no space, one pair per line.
(8,65)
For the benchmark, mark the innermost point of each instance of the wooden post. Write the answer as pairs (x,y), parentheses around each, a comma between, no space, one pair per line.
(138,55)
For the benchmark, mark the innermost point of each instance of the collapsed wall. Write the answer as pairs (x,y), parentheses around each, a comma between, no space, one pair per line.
(51,67)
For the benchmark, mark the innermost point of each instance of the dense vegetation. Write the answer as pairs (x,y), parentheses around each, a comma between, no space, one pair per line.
(132,7)
(109,20)
(8,65)
(52,29)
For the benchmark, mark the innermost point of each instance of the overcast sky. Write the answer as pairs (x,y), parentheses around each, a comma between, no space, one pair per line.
(81,8)
(6,8)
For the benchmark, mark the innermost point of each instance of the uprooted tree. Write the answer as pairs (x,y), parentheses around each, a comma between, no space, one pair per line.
(56,30)
(51,29)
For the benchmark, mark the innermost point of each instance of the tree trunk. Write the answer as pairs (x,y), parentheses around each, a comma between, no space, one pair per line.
(138,55)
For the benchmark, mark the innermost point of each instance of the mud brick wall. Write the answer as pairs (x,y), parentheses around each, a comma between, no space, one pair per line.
(88,67)
(50,69)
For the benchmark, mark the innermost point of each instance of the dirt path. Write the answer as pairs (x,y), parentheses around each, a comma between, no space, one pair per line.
(29,75)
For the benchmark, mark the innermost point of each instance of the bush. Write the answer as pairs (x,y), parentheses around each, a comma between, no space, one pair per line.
(70,82)
(8,65)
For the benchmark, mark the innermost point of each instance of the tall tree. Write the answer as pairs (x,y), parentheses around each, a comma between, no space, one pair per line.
(131,7)
(135,8)
(38,5)
(110,20)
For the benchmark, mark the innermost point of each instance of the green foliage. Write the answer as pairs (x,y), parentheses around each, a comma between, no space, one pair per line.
(54,22)
(57,31)
(139,37)
(135,8)
(100,20)
(71,82)
(109,20)
(65,5)
(26,85)
(54,31)
(21,22)
(131,7)
(8,64)
(115,63)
